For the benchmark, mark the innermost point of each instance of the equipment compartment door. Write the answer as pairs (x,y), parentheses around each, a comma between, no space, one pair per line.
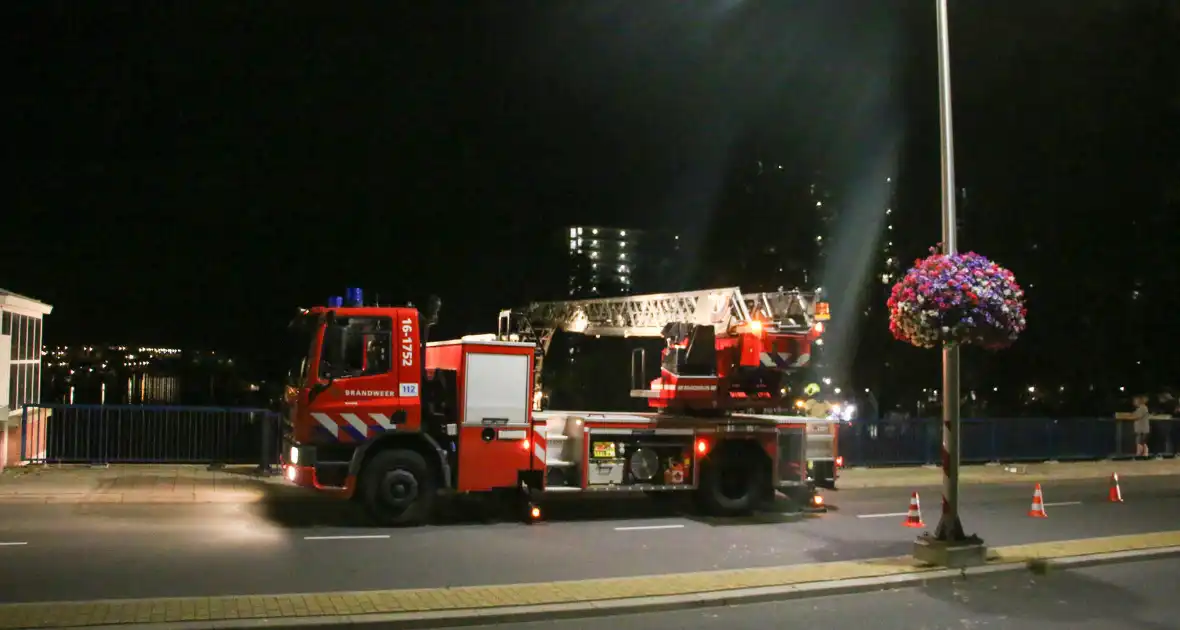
(495,440)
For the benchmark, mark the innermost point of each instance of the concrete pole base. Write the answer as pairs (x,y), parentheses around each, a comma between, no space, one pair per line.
(959,554)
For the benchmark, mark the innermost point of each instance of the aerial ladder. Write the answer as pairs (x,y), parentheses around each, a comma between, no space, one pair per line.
(724,350)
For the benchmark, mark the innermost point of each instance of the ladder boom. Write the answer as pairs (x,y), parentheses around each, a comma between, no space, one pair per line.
(647,315)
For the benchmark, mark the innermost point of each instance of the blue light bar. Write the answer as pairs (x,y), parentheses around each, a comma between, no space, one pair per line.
(355,296)
(335,301)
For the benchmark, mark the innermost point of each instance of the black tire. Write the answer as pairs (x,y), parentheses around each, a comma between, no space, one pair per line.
(398,488)
(732,486)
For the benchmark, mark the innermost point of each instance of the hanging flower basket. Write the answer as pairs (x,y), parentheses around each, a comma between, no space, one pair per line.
(945,301)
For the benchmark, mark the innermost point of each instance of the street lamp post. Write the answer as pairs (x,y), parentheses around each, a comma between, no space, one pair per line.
(949,546)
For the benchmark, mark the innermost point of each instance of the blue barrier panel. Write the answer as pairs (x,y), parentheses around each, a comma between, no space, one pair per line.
(917,441)
(150,434)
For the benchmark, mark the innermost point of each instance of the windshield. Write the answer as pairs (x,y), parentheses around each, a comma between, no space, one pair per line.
(357,346)
(301,332)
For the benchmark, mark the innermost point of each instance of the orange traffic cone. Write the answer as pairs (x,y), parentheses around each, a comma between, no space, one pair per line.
(914,518)
(1038,505)
(1116,493)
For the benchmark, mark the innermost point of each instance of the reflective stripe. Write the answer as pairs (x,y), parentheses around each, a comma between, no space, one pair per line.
(326,422)
(356,423)
(383,421)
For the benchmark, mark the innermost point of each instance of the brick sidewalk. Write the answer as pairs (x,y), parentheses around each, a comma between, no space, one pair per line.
(142,484)
(432,607)
(852,478)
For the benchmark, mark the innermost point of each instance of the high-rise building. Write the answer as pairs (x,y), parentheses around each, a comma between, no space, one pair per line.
(602,261)
(774,231)
(610,261)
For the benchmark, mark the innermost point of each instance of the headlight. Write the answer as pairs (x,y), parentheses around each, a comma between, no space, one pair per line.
(293,457)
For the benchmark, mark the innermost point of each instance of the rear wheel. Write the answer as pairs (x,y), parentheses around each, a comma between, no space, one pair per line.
(398,488)
(732,485)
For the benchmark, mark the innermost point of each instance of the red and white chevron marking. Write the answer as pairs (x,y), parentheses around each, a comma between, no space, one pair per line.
(540,444)
(354,427)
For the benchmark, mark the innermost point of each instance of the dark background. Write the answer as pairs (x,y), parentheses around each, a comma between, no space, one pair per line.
(186,174)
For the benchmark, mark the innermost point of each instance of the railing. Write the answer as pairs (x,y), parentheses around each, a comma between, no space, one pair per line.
(918,441)
(226,435)
(135,434)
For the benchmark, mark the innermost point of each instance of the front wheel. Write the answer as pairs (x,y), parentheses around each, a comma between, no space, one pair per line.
(398,488)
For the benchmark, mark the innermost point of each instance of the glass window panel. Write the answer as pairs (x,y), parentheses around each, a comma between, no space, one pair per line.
(14,331)
(24,337)
(18,385)
(37,339)
(12,390)
(6,317)
(36,398)
(27,350)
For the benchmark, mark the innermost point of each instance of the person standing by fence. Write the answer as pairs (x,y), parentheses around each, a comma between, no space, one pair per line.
(1142,417)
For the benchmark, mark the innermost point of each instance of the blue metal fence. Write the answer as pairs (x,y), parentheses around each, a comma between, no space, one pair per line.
(918,441)
(229,435)
(61,433)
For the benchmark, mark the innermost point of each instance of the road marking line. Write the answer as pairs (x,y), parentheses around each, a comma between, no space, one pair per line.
(1062,503)
(359,537)
(639,528)
(889,515)
(12,544)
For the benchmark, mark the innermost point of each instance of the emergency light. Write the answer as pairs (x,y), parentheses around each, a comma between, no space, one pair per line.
(335,301)
(354,296)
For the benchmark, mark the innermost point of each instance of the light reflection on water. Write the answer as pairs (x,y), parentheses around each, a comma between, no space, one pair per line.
(137,389)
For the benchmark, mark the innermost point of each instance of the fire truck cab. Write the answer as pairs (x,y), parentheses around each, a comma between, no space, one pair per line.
(377,412)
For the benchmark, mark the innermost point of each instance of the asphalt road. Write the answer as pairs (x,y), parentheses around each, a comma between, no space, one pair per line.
(73,552)
(1130,596)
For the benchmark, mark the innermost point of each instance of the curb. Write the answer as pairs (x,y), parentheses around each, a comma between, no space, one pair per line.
(435,620)
(1010,479)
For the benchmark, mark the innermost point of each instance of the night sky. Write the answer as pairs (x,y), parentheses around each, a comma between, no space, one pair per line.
(189,173)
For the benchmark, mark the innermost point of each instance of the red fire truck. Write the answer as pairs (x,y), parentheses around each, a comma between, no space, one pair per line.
(377,412)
